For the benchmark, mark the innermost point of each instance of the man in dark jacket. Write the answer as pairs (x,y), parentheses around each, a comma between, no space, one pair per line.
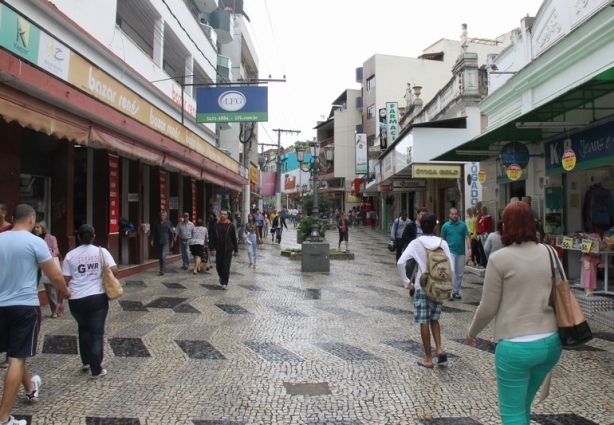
(162,236)
(224,241)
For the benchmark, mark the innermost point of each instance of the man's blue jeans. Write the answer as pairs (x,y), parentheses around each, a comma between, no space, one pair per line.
(162,253)
(459,269)
(184,246)
(90,314)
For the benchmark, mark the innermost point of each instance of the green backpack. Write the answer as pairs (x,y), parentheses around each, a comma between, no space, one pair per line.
(436,281)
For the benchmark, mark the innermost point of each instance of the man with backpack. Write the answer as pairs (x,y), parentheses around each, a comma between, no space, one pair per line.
(433,284)
(456,234)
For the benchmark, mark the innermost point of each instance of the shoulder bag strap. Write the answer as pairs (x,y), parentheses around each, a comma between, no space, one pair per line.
(101,259)
(396,227)
(554,258)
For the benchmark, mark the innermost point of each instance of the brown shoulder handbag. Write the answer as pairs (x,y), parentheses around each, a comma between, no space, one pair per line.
(112,286)
(573,327)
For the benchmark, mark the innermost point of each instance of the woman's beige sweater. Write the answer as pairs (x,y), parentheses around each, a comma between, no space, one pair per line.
(516,292)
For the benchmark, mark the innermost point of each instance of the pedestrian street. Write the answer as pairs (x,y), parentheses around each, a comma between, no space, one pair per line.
(285,347)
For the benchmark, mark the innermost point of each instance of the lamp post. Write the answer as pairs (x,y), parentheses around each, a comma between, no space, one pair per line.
(315,166)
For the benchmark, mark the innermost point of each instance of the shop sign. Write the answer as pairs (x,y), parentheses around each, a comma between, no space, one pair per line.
(173,203)
(383,132)
(593,148)
(436,171)
(53,56)
(19,35)
(514,171)
(408,185)
(568,160)
(361,154)
(113,193)
(384,188)
(253,174)
(352,198)
(482,176)
(392,121)
(163,205)
(133,197)
(515,153)
(232,104)
(388,165)
(194,218)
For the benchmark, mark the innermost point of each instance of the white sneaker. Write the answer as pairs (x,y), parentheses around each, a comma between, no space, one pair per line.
(35,393)
(102,374)
(12,421)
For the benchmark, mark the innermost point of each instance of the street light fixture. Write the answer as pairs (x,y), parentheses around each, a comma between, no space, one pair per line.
(315,166)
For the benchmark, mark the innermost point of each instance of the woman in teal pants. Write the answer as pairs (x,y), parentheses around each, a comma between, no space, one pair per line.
(516,293)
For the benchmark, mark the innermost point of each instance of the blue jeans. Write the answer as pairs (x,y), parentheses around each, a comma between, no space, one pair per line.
(252,249)
(459,269)
(521,369)
(90,314)
(184,246)
(162,253)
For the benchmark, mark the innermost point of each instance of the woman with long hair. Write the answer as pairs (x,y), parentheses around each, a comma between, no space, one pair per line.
(251,239)
(516,295)
(41,230)
(88,303)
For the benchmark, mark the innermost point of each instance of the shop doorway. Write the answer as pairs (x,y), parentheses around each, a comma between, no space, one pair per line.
(36,192)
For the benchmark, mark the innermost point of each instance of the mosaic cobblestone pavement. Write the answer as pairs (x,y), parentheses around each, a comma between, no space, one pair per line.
(283,347)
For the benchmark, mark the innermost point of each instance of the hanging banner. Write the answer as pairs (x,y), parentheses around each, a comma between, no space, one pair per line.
(361,154)
(514,171)
(383,137)
(268,179)
(194,218)
(392,121)
(113,194)
(162,190)
(232,104)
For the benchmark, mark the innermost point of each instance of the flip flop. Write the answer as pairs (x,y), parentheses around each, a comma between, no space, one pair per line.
(442,359)
(420,363)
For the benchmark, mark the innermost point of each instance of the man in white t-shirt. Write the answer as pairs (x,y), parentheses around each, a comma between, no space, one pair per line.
(20,312)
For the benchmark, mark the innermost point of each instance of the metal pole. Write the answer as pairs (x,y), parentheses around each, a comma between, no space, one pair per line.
(315,212)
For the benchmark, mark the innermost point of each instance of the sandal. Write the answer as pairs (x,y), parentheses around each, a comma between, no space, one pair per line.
(442,359)
(421,363)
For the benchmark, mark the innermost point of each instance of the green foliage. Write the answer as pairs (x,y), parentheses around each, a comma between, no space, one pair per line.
(305,227)
(324,203)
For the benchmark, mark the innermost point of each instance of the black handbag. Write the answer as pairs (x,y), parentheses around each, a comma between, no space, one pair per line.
(573,327)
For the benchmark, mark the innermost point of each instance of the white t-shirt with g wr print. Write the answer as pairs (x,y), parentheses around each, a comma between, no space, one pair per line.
(82,264)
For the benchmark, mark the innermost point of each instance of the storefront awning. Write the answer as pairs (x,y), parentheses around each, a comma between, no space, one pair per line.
(590,102)
(126,146)
(41,116)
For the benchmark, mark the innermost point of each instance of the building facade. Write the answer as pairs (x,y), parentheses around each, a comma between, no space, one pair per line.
(99,113)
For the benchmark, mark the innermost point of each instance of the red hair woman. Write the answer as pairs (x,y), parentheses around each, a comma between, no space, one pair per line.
(516,294)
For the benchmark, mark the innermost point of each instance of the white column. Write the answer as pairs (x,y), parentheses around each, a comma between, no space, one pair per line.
(158,42)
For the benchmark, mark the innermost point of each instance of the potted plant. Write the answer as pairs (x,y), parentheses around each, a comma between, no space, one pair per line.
(303,230)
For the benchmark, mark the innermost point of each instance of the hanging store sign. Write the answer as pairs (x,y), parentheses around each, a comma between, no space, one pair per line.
(113,193)
(514,172)
(362,165)
(482,176)
(194,218)
(253,174)
(392,121)
(436,171)
(232,104)
(163,205)
(568,160)
(408,185)
(383,136)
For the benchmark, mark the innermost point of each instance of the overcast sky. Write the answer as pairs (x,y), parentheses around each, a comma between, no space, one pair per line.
(318,45)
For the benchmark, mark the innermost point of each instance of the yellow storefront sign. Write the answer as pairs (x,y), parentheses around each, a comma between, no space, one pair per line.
(433,171)
(253,174)
(105,88)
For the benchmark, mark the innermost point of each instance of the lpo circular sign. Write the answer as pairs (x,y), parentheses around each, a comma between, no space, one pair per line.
(231,100)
